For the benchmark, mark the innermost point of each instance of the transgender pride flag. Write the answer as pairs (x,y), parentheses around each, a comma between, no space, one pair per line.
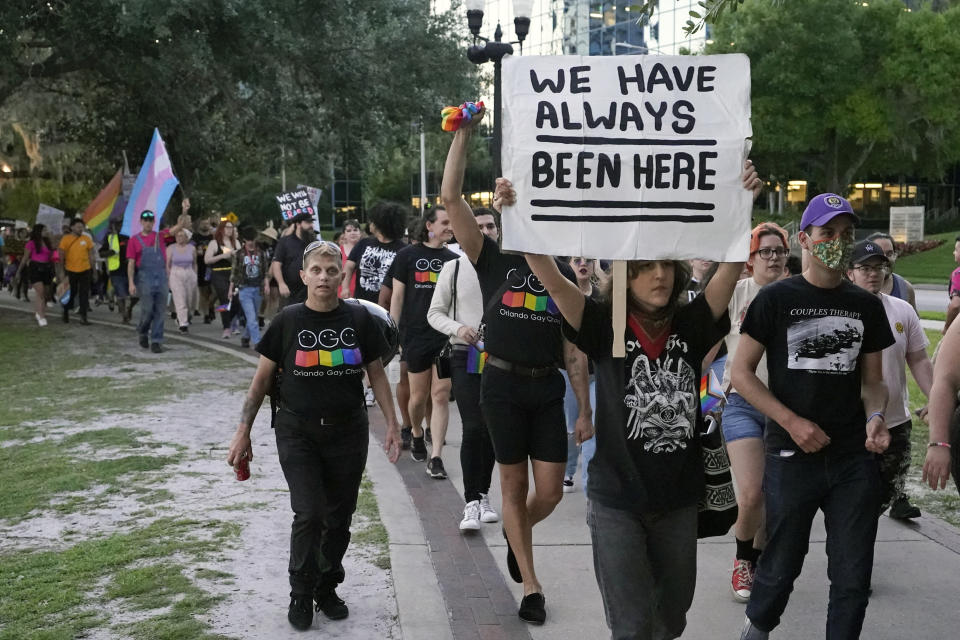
(153,188)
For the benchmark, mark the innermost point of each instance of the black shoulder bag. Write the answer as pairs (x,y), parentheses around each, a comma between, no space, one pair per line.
(442,360)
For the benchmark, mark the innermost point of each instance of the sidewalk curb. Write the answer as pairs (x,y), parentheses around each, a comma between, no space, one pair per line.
(422,610)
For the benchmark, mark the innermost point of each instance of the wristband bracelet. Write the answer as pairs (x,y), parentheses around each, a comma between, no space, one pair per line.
(939,444)
(875,414)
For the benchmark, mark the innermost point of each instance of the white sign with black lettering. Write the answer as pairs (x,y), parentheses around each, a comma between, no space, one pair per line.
(627,157)
(906,224)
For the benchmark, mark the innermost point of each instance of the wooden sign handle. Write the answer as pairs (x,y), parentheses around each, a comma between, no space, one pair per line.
(619,293)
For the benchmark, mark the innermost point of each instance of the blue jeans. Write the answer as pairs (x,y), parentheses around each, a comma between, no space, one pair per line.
(570,411)
(646,568)
(250,298)
(846,487)
(152,290)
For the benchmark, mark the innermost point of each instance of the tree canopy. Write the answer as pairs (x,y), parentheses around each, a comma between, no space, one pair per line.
(231,84)
(840,89)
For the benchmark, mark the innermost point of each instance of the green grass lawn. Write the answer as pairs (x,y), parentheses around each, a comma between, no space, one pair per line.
(930,267)
(939,316)
(943,504)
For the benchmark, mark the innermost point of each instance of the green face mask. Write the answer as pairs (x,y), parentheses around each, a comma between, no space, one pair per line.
(834,253)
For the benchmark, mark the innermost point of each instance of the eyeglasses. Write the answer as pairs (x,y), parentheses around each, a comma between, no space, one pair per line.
(768,253)
(867,269)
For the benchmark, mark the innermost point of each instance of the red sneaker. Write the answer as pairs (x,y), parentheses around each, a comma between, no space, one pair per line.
(742,581)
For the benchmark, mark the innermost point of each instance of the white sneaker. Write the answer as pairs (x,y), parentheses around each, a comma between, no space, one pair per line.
(487,514)
(368,397)
(568,486)
(40,320)
(471,516)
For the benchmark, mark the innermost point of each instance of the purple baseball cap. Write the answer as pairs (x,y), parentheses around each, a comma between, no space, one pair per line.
(824,208)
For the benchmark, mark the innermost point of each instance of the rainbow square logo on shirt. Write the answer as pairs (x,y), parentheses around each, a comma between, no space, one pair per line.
(518,299)
(322,357)
(426,276)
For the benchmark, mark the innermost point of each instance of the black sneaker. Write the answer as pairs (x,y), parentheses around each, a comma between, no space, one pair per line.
(532,609)
(144,341)
(245,343)
(426,434)
(300,613)
(406,435)
(331,605)
(512,567)
(435,469)
(156,348)
(418,450)
(184,329)
(901,509)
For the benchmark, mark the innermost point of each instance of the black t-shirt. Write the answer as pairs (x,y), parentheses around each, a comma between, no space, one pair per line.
(373,258)
(290,256)
(648,457)
(813,339)
(418,267)
(522,325)
(201,242)
(324,359)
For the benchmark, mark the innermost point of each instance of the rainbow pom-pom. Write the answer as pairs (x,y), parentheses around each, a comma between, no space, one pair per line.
(451,118)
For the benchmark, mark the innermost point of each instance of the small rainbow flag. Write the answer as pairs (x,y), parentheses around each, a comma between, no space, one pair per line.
(98,213)
(711,394)
(475,360)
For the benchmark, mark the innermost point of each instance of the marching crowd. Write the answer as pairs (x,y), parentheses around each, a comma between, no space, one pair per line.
(812,359)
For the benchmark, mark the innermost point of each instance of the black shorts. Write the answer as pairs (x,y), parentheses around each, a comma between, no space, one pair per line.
(419,355)
(524,416)
(40,272)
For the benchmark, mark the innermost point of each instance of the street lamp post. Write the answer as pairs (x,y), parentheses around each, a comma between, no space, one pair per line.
(494,50)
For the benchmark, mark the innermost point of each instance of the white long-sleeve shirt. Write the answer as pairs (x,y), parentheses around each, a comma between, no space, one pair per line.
(469,300)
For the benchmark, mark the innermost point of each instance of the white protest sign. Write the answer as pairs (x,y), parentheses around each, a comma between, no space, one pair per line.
(906,224)
(51,218)
(627,157)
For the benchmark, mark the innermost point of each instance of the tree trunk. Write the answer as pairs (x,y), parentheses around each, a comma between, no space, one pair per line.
(857,163)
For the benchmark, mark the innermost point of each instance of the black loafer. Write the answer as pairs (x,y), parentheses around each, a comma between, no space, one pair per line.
(512,567)
(532,609)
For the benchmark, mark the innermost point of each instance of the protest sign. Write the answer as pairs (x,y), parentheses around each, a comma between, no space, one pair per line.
(314,194)
(906,224)
(293,203)
(627,157)
(51,218)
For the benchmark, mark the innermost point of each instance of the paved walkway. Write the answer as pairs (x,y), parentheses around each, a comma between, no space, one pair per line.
(450,585)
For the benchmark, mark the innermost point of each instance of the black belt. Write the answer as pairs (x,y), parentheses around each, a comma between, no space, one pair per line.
(520,370)
(329,420)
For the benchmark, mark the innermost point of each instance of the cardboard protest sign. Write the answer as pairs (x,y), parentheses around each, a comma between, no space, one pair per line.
(314,194)
(293,203)
(50,217)
(627,157)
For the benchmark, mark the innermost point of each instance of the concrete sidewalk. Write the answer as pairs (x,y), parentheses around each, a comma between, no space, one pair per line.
(449,585)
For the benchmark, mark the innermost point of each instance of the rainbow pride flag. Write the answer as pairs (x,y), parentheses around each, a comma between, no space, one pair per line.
(711,393)
(98,213)
(476,359)
(153,188)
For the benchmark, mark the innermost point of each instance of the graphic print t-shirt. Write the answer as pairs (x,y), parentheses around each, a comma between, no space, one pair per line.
(522,325)
(323,365)
(373,258)
(813,339)
(418,268)
(648,455)
(249,269)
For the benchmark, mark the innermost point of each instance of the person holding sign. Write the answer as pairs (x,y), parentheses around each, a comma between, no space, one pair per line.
(824,401)
(646,476)
(521,387)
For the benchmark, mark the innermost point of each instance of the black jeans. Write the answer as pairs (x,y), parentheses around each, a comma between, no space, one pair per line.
(220,281)
(323,466)
(79,290)
(846,487)
(476,450)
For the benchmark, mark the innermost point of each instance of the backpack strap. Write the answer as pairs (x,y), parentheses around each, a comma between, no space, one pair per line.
(286,319)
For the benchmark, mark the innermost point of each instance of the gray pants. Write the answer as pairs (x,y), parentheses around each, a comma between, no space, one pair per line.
(646,567)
